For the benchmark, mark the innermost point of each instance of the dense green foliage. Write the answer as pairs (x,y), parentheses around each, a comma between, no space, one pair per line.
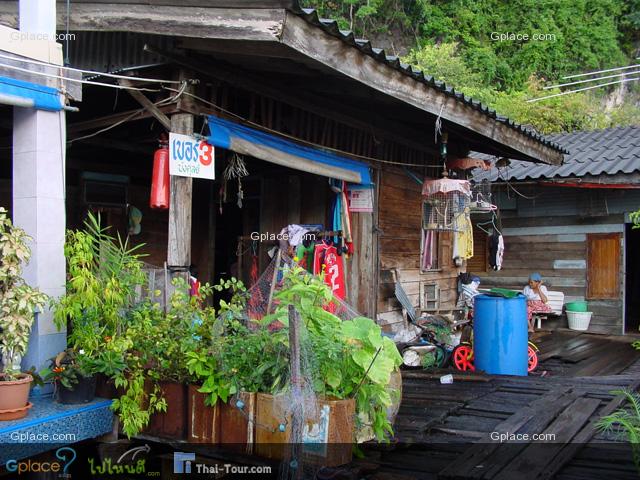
(457,41)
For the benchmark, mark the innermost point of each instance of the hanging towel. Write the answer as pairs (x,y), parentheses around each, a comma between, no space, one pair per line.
(496,251)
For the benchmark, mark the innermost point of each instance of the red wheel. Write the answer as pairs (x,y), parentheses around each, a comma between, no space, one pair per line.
(463,358)
(533,359)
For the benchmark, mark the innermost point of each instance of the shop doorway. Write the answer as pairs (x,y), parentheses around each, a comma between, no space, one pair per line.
(632,279)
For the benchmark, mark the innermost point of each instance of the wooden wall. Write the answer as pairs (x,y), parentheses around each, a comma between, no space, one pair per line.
(549,234)
(400,210)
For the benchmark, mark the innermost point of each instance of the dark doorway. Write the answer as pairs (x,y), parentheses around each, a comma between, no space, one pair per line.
(632,279)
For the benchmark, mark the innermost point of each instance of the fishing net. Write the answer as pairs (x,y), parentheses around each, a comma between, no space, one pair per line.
(261,294)
(298,426)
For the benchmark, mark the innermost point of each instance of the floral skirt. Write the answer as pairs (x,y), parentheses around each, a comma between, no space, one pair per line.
(537,306)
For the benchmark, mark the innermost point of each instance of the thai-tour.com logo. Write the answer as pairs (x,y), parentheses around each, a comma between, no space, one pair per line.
(182,462)
(186,463)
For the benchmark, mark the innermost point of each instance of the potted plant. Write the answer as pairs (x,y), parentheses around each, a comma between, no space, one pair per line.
(18,302)
(107,319)
(349,367)
(73,376)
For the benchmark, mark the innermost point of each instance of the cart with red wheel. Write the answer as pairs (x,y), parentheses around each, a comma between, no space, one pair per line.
(462,357)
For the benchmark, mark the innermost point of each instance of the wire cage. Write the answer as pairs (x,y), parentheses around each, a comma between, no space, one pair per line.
(481,197)
(445,201)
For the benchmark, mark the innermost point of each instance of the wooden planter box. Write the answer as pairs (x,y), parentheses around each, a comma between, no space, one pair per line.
(203,420)
(237,425)
(171,424)
(327,442)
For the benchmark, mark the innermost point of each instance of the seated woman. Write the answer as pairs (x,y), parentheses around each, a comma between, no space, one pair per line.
(536,294)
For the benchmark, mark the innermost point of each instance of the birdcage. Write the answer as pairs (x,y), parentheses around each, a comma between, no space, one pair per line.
(481,197)
(444,202)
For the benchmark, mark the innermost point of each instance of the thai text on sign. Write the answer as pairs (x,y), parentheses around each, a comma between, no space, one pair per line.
(191,157)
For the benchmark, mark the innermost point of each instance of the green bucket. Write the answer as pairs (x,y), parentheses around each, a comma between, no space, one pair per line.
(578,306)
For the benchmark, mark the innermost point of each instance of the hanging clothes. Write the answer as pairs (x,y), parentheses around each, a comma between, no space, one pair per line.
(429,249)
(329,264)
(496,250)
(463,237)
(305,256)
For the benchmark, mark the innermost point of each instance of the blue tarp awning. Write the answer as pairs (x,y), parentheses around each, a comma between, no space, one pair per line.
(258,144)
(27,94)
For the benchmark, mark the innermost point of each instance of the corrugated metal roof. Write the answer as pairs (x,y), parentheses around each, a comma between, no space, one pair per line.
(610,151)
(331,27)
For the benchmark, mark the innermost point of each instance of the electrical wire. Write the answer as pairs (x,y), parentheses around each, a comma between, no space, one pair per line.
(600,71)
(583,89)
(90,72)
(99,84)
(129,117)
(299,140)
(514,188)
(591,80)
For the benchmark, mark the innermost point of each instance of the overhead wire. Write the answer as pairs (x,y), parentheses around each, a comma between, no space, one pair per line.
(88,82)
(129,117)
(600,71)
(591,80)
(582,89)
(90,72)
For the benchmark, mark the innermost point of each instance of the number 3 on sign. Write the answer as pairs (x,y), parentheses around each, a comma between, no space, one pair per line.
(206,153)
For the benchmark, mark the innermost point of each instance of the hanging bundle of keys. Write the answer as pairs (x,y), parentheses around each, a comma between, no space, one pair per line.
(236,168)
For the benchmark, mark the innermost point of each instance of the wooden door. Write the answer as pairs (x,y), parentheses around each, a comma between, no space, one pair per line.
(603,266)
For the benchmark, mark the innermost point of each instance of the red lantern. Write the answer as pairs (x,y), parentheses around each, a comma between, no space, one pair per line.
(160,178)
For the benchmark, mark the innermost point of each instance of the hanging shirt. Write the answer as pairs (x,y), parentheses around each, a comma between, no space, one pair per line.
(305,257)
(496,251)
(326,256)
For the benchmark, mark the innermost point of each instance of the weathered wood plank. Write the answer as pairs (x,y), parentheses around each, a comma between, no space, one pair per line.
(182,21)
(570,450)
(477,460)
(332,52)
(530,462)
(179,246)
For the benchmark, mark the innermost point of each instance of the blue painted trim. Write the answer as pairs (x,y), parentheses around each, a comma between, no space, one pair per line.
(222,131)
(70,413)
(44,98)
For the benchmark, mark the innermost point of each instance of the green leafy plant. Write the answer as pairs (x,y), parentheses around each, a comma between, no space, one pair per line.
(18,301)
(351,359)
(625,422)
(68,367)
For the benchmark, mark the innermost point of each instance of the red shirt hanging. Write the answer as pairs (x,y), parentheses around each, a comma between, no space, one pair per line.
(327,256)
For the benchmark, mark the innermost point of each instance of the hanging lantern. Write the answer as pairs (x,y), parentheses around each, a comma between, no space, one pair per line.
(160,177)
(445,202)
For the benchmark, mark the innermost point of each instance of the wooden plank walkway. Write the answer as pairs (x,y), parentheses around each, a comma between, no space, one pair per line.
(444,431)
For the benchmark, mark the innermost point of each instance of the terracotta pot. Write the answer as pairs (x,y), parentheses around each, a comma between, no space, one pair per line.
(14,394)
(172,423)
(203,424)
(328,441)
(237,422)
(16,413)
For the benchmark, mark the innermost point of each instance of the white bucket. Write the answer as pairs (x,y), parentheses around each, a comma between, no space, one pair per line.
(579,320)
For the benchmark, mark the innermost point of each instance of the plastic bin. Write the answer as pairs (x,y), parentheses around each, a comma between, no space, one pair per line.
(578,306)
(500,335)
(579,320)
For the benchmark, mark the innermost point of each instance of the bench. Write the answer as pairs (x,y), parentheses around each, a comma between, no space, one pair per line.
(555,300)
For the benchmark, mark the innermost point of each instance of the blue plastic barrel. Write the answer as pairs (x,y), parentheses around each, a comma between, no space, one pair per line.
(500,335)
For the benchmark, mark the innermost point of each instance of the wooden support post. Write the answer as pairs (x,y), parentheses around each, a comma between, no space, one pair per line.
(179,248)
(297,407)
